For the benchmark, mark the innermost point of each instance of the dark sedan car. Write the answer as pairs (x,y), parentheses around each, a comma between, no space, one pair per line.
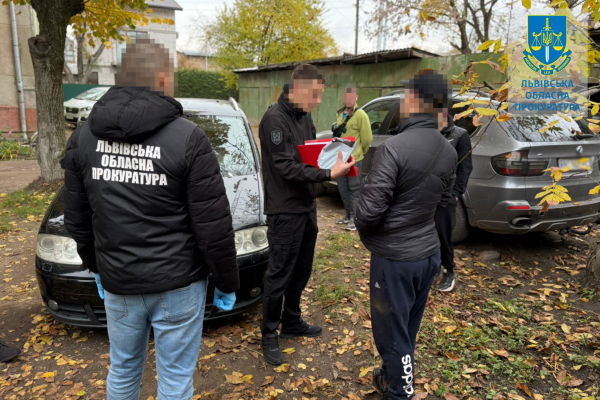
(67,286)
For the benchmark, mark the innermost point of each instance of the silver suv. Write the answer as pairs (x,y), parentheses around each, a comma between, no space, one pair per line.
(509,160)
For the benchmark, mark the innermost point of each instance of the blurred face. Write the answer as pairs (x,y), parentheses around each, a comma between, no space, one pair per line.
(305,95)
(166,82)
(349,99)
(411,104)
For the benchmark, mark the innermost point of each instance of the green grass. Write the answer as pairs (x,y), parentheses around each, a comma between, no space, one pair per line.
(10,150)
(332,293)
(21,205)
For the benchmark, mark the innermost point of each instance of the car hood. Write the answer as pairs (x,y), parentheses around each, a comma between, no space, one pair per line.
(325,134)
(76,103)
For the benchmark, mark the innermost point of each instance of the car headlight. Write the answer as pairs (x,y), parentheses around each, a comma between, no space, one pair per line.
(251,240)
(85,109)
(57,249)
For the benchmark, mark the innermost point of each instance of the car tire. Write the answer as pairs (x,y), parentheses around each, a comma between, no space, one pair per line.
(461,226)
(321,189)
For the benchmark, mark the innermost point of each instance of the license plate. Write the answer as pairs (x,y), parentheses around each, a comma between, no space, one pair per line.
(576,164)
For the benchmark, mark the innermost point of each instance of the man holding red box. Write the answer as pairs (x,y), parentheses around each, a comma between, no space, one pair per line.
(290,205)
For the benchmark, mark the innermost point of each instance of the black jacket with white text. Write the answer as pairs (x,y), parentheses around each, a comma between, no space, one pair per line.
(145,200)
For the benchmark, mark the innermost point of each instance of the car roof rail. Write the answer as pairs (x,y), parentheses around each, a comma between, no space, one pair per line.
(234,104)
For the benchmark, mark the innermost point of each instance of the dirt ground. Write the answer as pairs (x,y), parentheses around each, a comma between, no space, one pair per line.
(520,325)
(16,174)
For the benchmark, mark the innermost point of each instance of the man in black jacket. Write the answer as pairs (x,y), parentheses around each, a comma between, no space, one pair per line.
(290,207)
(412,173)
(146,204)
(445,217)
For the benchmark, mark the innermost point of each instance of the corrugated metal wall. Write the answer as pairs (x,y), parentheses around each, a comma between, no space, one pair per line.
(259,89)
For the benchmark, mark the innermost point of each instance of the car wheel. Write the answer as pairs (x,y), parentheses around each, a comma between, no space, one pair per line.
(321,189)
(461,227)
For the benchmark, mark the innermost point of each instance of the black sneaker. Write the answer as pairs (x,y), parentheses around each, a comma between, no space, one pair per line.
(342,221)
(448,281)
(8,353)
(302,330)
(379,382)
(271,351)
(351,226)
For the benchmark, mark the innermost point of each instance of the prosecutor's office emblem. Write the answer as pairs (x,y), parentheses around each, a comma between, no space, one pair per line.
(276,137)
(547,40)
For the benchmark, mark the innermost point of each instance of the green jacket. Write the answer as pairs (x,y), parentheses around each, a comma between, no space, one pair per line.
(358,127)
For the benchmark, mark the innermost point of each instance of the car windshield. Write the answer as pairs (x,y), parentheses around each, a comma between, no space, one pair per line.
(92,94)
(526,128)
(230,141)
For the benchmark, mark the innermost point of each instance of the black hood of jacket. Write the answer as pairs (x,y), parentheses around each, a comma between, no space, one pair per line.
(131,115)
(287,106)
(446,131)
(418,121)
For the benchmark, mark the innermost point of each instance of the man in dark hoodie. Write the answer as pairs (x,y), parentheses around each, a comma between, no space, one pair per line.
(412,173)
(146,204)
(445,217)
(291,207)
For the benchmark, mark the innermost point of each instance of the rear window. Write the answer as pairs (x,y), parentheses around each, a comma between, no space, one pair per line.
(230,141)
(526,128)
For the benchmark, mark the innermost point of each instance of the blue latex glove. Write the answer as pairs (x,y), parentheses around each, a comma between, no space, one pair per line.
(224,301)
(100,288)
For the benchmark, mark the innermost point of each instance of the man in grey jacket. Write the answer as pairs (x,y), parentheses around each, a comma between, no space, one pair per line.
(412,173)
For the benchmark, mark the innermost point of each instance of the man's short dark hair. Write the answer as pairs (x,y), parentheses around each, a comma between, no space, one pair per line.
(141,61)
(351,89)
(307,72)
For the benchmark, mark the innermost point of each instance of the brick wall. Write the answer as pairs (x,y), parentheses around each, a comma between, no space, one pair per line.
(10,119)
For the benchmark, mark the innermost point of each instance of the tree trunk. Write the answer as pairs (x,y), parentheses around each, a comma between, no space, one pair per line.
(593,266)
(48,56)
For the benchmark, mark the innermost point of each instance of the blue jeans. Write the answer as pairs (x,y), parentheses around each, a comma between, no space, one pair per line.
(176,317)
(349,188)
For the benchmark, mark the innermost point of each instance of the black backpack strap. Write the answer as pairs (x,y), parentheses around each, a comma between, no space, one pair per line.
(340,129)
(410,185)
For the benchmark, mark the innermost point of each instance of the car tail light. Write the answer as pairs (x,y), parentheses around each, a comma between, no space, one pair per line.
(516,163)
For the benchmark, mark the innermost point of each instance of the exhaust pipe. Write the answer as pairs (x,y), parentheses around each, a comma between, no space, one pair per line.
(521,221)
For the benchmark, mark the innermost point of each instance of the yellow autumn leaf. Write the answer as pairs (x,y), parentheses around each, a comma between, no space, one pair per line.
(463,114)
(48,375)
(81,393)
(504,117)
(302,366)
(289,350)
(462,104)
(595,190)
(504,106)
(363,372)
(486,111)
(526,4)
(3,195)
(595,109)
(565,328)
(450,329)
(486,45)
(247,379)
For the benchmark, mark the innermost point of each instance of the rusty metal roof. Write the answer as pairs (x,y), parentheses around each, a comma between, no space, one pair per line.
(366,58)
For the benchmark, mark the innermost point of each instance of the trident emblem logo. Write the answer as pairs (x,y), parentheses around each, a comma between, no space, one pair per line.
(545,36)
